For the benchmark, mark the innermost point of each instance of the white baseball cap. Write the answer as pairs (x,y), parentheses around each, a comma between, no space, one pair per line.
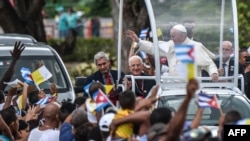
(105,121)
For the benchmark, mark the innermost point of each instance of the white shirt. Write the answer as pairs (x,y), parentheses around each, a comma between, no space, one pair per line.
(45,135)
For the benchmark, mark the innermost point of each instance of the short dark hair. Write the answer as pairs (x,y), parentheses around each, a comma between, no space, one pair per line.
(33,97)
(66,109)
(232,116)
(80,100)
(94,87)
(127,99)
(9,115)
(160,115)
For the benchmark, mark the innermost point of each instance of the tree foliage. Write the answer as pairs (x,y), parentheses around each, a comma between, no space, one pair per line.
(23,17)
(244,20)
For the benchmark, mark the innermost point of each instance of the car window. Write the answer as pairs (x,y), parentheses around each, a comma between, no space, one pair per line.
(210,115)
(58,76)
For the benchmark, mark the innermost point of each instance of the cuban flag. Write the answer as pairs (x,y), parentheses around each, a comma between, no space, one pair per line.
(44,100)
(86,88)
(144,33)
(186,67)
(101,100)
(206,101)
(26,74)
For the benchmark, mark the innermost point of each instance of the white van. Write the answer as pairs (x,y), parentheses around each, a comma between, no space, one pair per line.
(34,52)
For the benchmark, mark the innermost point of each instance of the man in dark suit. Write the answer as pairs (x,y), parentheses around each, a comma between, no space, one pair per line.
(142,86)
(104,75)
(227,68)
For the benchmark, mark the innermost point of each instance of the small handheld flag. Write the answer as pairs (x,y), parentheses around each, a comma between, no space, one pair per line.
(205,101)
(44,100)
(108,88)
(26,74)
(101,100)
(144,33)
(40,75)
(185,54)
(86,88)
(13,84)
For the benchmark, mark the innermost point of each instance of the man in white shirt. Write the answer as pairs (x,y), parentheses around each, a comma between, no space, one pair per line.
(179,36)
(49,130)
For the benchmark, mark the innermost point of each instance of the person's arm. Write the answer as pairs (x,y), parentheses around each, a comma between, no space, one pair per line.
(197,119)
(12,91)
(141,117)
(206,60)
(147,103)
(147,46)
(18,49)
(53,91)
(5,129)
(175,125)
(66,130)
(24,94)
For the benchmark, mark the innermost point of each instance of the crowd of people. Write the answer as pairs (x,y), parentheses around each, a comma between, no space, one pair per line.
(119,114)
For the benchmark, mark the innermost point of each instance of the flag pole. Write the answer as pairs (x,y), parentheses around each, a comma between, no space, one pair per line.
(35,83)
(221,112)
(108,100)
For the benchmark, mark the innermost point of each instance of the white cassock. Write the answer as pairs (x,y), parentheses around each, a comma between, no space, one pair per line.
(203,57)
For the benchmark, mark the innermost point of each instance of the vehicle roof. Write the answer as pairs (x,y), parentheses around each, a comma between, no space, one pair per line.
(11,38)
(30,50)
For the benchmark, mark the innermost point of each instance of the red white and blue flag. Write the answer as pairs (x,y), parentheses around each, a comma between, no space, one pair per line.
(86,88)
(185,54)
(26,74)
(101,100)
(206,101)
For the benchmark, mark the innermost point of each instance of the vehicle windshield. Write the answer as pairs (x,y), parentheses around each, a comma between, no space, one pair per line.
(210,115)
(58,76)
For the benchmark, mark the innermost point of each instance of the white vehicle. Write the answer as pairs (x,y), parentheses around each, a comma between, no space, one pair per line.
(34,52)
(211,23)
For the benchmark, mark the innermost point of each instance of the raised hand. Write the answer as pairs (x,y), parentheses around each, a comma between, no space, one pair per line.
(39,64)
(192,86)
(18,49)
(131,34)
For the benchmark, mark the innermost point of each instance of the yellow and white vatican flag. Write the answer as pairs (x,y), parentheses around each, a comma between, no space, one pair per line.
(185,54)
(40,75)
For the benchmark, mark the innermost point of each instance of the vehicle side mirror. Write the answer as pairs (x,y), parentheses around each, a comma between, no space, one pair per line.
(79,83)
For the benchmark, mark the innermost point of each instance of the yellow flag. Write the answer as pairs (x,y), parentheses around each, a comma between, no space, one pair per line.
(40,75)
(108,88)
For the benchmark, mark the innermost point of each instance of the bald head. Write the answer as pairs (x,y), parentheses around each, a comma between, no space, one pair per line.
(51,110)
(227,48)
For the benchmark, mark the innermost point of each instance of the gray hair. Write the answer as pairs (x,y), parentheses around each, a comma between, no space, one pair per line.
(134,57)
(79,117)
(100,55)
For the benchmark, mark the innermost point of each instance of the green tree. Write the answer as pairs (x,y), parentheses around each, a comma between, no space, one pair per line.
(135,17)
(244,20)
(23,17)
